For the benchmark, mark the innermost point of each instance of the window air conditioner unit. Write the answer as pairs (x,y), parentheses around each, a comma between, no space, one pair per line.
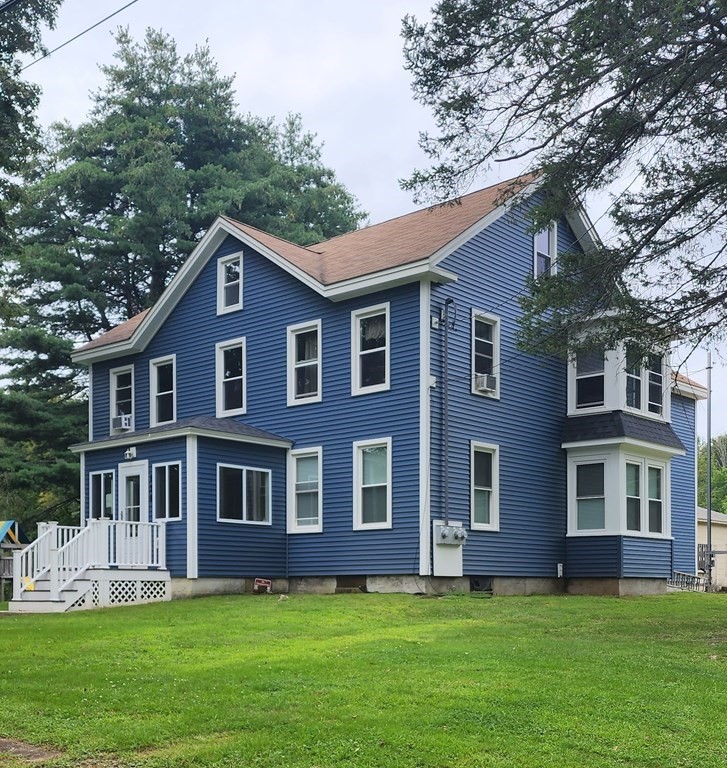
(121,423)
(485,382)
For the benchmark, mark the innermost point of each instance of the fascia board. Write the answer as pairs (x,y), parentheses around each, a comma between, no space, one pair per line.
(181,432)
(694,392)
(583,228)
(628,441)
(389,278)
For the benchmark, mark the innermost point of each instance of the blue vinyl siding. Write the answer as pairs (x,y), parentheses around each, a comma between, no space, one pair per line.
(646,558)
(683,481)
(236,550)
(526,422)
(155,452)
(593,557)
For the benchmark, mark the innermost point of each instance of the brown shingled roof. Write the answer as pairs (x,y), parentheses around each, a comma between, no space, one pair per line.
(119,333)
(407,239)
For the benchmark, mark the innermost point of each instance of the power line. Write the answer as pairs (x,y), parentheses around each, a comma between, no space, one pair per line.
(80,34)
(8,4)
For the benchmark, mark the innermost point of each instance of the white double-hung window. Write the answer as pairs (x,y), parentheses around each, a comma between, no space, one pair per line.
(305,491)
(370,350)
(229,283)
(304,363)
(163,400)
(121,384)
(230,376)
(372,484)
(484,473)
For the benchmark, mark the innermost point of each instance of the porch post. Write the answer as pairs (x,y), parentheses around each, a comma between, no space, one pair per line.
(162,552)
(53,560)
(17,576)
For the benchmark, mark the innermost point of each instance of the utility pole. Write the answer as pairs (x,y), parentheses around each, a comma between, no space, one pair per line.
(710,555)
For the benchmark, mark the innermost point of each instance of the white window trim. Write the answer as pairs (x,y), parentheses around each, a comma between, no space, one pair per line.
(220,348)
(154,468)
(358,524)
(153,392)
(494,451)
(494,321)
(644,463)
(245,469)
(113,373)
(615,462)
(293,526)
(644,411)
(292,332)
(221,264)
(356,316)
(113,492)
(553,243)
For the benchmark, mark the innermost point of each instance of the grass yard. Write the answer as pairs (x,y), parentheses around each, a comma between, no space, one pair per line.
(373,680)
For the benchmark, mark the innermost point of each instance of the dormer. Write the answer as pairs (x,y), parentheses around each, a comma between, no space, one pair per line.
(619,380)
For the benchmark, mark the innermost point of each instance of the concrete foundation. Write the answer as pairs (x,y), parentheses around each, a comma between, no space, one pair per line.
(416,585)
(617,587)
(513,585)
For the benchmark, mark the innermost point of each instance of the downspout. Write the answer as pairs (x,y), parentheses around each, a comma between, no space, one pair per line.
(445,416)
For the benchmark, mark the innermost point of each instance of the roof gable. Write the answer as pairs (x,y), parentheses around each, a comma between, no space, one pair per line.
(400,250)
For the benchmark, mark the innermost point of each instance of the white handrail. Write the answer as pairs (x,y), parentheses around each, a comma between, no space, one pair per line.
(72,559)
(31,563)
(65,552)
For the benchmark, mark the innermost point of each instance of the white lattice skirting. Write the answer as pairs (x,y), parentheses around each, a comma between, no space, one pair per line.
(109,588)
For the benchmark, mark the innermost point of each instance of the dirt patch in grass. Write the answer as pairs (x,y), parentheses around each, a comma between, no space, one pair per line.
(27,752)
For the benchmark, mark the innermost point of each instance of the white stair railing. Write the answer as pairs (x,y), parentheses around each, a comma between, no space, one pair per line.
(73,559)
(64,553)
(33,562)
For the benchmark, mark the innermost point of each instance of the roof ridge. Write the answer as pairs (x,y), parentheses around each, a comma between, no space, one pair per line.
(238,223)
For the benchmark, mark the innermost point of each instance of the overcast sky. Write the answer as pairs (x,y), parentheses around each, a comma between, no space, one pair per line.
(338,63)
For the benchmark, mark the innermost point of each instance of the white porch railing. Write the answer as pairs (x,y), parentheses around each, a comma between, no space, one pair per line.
(64,553)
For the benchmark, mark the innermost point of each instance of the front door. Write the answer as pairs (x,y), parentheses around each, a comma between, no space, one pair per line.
(133,492)
(131,538)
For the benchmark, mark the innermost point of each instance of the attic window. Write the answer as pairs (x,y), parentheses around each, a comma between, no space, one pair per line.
(545,251)
(229,283)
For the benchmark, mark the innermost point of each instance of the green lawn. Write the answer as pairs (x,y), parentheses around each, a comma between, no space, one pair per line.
(374,680)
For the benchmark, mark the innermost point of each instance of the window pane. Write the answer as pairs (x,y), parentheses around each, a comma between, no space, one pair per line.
(482,507)
(306,380)
(373,332)
(589,391)
(160,491)
(232,271)
(306,346)
(373,368)
(655,517)
(633,514)
(543,264)
(483,330)
(230,491)
(232,394)
(257,496)
(165,407)
(483,469)
(307,508)
(542,241)
(633,362)
(374,465)
(306,469)
(107,503)
(591,514)
(174,508)
(633,472)
(165,377)
(633,391)
(589,362)
(96,496)
(589,480)
(654,483)
(233,362)
(373,503)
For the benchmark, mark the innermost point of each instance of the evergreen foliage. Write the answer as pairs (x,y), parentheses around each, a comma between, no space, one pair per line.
(115,205)
(591,91)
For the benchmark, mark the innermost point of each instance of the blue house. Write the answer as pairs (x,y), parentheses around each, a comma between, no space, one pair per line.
(356,415)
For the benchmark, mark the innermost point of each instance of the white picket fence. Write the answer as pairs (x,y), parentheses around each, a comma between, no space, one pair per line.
(61,554)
